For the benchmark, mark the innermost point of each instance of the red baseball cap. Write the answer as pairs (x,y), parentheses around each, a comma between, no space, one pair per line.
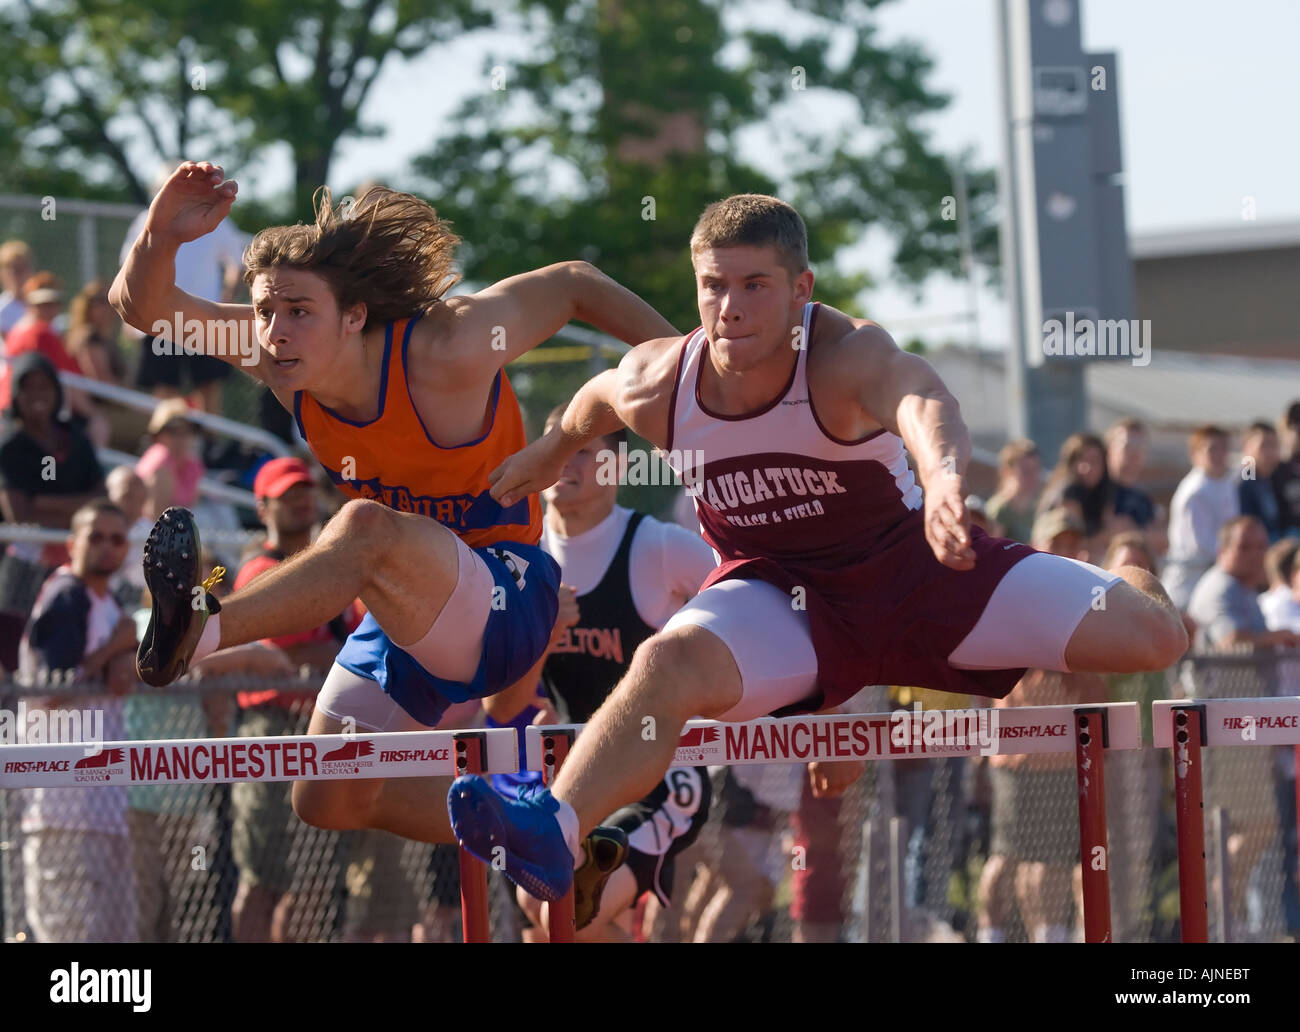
(278,475)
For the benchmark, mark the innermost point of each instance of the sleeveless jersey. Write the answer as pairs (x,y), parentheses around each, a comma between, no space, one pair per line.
(394,459)
(839,526)
(594,653)
(775,483)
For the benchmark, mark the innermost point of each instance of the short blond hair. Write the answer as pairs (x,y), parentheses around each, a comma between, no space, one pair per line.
(12,249)
(754,220)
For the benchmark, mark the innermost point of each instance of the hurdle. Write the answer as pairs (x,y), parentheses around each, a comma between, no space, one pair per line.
(555,745)
(1187,727)
(1087,731)
(357,756)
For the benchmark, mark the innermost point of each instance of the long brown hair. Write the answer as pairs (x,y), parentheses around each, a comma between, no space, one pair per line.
(1073,447)
(389,250)
(79,309)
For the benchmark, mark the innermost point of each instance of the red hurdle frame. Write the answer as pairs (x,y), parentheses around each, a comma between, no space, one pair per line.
(555,747)
(1189,735)
(471,758)
(1092,736)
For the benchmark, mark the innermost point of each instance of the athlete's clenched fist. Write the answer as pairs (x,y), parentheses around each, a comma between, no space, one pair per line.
(947,521)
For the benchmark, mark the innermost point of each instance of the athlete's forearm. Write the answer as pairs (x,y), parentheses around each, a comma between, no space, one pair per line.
(931,426)
(144,285)
(591,414)
(614,309)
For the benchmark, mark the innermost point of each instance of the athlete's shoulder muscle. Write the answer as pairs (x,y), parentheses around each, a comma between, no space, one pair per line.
(647,375)
(448,344)
(861,367)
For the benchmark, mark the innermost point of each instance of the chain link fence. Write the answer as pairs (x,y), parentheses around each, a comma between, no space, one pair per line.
(952,849)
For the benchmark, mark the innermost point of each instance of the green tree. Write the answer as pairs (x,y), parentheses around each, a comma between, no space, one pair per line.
(627,119)
(608,142)
(95,94)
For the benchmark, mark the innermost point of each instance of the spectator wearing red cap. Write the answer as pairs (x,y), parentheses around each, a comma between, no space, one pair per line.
(268,904)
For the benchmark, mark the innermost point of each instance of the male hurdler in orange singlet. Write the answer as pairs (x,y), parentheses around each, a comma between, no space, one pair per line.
(401,394)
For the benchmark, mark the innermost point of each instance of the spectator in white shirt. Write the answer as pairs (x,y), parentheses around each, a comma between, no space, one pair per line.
(1280,604)
(1205,500)
(77,873)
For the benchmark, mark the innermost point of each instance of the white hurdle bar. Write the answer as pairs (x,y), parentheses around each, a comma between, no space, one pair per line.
(357,756)
(1186,726)
(201,761)
(1087,731)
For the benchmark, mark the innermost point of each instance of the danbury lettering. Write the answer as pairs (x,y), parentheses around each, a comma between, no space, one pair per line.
(102,985)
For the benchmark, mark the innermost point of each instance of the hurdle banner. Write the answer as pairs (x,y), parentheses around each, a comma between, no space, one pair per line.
(879,736)
(1187,726)
(1086,731)
(199,761)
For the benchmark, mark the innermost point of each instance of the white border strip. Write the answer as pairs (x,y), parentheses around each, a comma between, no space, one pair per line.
(201,761)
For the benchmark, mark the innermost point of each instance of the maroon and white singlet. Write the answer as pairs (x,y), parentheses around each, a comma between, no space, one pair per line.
(836,528)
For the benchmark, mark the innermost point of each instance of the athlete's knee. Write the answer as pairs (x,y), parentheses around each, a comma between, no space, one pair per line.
(1155,628)
(362,522)
(1172,641)
(685,667)
(332,805)
(1157,637)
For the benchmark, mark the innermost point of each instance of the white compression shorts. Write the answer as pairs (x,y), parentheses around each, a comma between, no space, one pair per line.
(1028,622)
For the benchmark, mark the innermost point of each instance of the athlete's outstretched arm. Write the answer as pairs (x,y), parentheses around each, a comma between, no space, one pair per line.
(636,395)
(516,314)
(907,397)
(192,203)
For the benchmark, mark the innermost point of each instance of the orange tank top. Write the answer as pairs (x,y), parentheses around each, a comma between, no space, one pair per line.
(394,460)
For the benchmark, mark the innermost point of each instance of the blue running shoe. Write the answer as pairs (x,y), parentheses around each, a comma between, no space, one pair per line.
(536,857)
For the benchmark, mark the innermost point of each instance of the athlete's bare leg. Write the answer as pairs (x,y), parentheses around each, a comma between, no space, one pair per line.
(629,743)
(1137,629)
(403,567)
(415,808)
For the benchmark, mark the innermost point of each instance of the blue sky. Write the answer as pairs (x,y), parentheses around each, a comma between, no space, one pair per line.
(1207,90)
